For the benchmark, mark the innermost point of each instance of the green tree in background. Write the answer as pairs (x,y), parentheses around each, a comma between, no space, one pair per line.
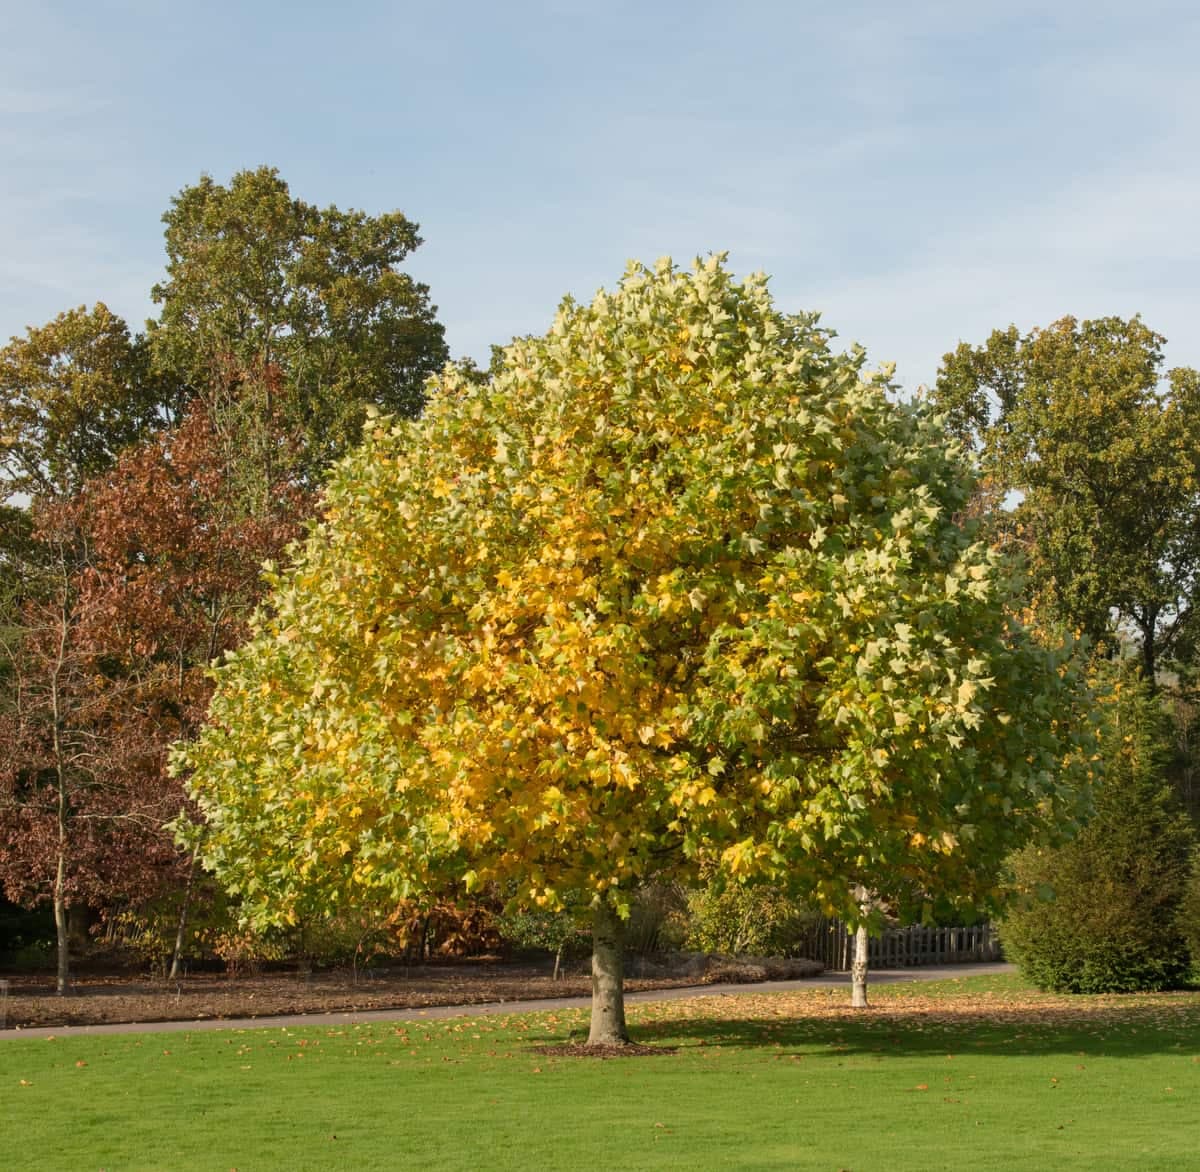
(142,483)
(1101,450)
(73,394)
(307,304)
(1101,914)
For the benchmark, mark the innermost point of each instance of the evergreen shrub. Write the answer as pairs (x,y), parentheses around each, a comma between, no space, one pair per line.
(1101,914)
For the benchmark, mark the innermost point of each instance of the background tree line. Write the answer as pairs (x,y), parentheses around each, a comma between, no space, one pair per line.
(148,476)
(1089,455)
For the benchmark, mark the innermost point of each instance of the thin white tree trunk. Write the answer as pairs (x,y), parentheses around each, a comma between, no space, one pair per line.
(858,969)
(608,979)
(859,965)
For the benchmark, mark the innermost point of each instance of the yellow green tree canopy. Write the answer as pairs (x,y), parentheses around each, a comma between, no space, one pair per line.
(678,584)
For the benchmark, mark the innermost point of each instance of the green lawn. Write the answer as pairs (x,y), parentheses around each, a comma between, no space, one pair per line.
(970,1074)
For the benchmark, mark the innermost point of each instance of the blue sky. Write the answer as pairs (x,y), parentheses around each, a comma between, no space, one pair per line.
(921,173)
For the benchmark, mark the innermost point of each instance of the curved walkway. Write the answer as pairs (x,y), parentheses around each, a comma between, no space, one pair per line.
(433,1013)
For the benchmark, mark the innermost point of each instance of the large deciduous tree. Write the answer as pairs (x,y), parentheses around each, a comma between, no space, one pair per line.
(79,826)
(259,282)
(73,394)
(677,585)
(138,583)
(164,472)
(1100,451)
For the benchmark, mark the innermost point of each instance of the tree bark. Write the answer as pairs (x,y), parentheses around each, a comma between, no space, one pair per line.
(61,930)
(1150,654)
(858,969)
(858,966)
(608,979)
(181,925)
(63,937)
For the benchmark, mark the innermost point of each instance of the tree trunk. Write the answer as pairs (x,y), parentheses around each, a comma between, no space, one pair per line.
(61,931)
(858,966)
(61,926)
(181,927)
(558,960)
(608,979)
(1150,654)
(858,969)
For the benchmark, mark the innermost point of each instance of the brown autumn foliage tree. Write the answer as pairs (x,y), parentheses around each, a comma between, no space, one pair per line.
(180,531)
(161,470)
(73,394)
(159,570)
(49,726)
(80,826)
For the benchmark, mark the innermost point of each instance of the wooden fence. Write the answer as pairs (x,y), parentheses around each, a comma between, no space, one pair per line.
(832,944)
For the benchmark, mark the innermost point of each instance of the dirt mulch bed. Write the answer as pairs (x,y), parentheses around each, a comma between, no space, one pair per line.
(96,1000)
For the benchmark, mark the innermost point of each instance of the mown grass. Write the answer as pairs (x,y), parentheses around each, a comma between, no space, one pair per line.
(979,1073)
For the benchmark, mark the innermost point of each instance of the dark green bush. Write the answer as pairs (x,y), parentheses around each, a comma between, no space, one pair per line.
(1189,915)
(737,920)
(1102,913)
(561,934)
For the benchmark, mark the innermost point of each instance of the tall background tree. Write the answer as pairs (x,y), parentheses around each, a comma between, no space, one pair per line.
(260,283)
(1092,454)
(143,481)
(73,394)
(1090,450)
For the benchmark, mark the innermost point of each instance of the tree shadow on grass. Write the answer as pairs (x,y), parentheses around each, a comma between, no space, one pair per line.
(1128,1031)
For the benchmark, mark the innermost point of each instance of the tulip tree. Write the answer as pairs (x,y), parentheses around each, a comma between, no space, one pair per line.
(677,586)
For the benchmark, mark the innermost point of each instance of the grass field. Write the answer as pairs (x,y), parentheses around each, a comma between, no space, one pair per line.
(979,1073)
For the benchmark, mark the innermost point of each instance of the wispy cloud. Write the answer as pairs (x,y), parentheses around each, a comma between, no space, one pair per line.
(923,173)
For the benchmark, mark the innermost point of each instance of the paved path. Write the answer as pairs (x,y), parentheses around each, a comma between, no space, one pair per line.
(431,1013)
